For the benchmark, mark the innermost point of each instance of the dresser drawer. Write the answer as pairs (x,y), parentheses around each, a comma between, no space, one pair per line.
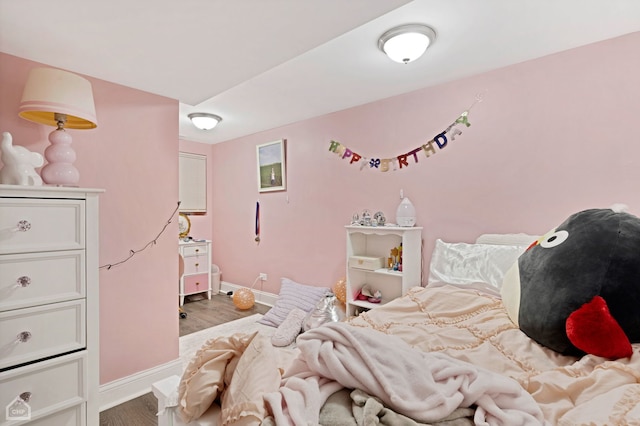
(74,416)
(31,334)
(55,386)
(196,265)
(194,249)
(196,283)
(33,225)
(39,278)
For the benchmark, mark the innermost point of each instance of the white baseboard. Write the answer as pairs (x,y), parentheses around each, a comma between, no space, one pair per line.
(125,389)
(262,297)
(135,385)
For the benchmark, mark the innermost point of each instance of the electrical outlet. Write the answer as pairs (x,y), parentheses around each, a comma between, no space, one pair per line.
(263,276)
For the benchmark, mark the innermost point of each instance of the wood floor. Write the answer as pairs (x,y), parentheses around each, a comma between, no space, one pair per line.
(201,314)
(207,313)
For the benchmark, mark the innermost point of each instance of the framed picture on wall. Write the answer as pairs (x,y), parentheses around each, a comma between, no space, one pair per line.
(271,166)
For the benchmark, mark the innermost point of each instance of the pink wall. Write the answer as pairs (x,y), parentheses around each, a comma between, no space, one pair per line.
(552,136)
(133,156)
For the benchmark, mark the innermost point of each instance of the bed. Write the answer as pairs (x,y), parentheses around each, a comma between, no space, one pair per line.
(446,353)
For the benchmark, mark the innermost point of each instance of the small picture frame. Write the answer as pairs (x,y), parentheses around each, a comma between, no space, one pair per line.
(271,161)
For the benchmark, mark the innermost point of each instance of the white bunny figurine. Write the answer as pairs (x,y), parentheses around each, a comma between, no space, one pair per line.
(19,164)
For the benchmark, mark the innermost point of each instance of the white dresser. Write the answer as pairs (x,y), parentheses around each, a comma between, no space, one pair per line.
(49,368)
(197,268)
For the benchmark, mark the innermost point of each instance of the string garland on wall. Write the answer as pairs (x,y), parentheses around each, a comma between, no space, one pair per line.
(402,161)
(154,241)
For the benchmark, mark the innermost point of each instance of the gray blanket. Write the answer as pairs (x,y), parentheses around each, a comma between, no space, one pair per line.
(356,408)
(348,407)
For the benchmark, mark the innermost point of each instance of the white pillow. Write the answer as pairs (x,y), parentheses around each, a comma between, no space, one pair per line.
(293,295)
(479,266)
(507,239)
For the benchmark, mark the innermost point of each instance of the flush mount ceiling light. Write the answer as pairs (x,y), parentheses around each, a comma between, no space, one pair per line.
(406,43)
(204,120)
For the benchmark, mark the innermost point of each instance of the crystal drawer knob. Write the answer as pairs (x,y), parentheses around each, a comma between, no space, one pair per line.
(23,281)
(24,336)
(23,226)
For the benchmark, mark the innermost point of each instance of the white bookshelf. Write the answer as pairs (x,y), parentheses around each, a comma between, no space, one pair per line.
(377,241)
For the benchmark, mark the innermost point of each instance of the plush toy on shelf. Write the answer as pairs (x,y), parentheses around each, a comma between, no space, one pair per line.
(395,260)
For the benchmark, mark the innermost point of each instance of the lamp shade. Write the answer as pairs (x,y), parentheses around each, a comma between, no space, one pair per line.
(406,43)
(204,120)
(51,91)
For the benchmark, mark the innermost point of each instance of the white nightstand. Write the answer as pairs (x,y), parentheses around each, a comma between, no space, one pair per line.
(197,268)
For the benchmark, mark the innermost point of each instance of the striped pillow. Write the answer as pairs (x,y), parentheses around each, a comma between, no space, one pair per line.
(293,295)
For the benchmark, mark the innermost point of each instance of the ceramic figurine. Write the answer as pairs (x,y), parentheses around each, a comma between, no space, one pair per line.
(19,164)
(366,218)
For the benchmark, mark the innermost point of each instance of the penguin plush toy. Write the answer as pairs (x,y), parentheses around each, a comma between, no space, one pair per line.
(576,290)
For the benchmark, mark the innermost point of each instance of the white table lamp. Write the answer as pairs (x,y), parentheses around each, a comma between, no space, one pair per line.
(65,100)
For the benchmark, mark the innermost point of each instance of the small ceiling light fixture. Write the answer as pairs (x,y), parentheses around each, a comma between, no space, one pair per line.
(204,120)
(406,43)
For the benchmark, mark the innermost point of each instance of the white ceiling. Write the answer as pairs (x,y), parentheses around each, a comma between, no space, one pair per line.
(261,64)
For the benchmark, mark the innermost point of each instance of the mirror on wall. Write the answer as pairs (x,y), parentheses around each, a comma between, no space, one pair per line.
(192,189)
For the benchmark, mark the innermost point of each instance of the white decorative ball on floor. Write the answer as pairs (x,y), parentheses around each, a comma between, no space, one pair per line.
(244,298)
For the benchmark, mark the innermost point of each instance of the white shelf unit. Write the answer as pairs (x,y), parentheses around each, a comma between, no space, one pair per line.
(377,241)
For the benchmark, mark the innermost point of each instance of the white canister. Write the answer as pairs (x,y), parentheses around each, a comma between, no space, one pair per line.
(406,213)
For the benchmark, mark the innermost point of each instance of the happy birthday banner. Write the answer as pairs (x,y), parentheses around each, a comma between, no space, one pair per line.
(403,160)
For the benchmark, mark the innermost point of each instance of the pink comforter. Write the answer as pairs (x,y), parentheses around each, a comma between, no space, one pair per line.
(443,325)
(474,327)
(423,386)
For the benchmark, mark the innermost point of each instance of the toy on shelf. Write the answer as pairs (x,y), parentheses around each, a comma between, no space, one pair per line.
(379,219)
(368,294)
(366,219)
(394,262)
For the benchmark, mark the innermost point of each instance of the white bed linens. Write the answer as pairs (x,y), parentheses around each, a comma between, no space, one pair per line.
(474,327)
(461,323)
(423,386)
